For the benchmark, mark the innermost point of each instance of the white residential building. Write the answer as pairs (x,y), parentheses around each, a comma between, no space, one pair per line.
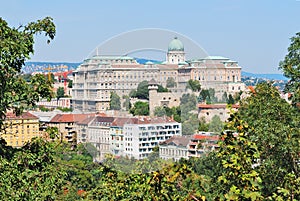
(142,136)
(99,135)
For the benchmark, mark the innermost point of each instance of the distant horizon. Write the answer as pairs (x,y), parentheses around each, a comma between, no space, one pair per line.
(254,33)
(243,71)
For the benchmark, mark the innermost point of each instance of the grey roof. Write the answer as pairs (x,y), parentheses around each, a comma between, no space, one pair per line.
(178,140)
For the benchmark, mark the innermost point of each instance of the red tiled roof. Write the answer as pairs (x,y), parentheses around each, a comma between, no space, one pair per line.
(205,137)
(120,121)
(86,121)
(70,117)
(25,115)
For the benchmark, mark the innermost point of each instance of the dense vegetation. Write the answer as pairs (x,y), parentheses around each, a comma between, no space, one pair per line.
(258,158)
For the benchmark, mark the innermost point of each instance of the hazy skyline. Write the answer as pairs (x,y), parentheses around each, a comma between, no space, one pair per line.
(254,33)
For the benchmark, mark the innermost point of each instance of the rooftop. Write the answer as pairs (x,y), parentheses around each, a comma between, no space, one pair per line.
(68,118)
(178,140)
(175,45)
(25,115)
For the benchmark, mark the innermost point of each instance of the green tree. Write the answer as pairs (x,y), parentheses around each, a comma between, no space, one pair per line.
(162,89)
(60,93)
(224,97)
(53,132)
(140,108)
(194,85)
(203,126)
(16,45)
(230,99)
(142,91)
(30,172)
(160,111)
(208,96)
(215,125)
(239,180)
(189,119)
(291,68)
(190,126)
(70,83)
(126,103)
(115,102)
(275,130)
(171,82)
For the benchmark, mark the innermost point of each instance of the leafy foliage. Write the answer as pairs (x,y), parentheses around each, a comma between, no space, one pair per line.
(174,112)
(60,93)
(140,108)
(276,132)
(171,82)
(189,119)
(126,103)
(194,85)
(216,125)
(162,89)
(291,68)
(230,99)
(16,45)
(30,173)
(142,91)
(115,102)
(70,83)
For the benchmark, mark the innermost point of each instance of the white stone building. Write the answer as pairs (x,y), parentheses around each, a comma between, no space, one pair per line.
(100,75)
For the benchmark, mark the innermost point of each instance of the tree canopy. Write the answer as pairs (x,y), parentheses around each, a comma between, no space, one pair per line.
(194,85)
(16,45)
(60,93)
(291,68)
(171,82)
(115,101)
(140,108)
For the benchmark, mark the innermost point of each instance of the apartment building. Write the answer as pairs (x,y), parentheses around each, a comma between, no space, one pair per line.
(178,147)
(146,133)
(20,129)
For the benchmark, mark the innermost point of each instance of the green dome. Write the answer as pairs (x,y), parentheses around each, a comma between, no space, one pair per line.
(175,45)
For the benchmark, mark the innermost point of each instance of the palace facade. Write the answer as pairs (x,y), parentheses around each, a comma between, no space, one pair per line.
(100,75)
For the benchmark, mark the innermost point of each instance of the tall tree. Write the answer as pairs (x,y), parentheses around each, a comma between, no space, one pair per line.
(291,69)
(189,120)
(60,93)
(215,125)
(142,91)
(171,82)
(126,103)
(194,85)
(16,45)
(275,130)
(230,99)
(70,83)
(115,102)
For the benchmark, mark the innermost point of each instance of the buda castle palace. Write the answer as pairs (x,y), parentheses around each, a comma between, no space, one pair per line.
(98,76)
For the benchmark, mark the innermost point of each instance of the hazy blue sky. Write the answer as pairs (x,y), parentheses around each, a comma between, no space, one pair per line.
(256,33)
